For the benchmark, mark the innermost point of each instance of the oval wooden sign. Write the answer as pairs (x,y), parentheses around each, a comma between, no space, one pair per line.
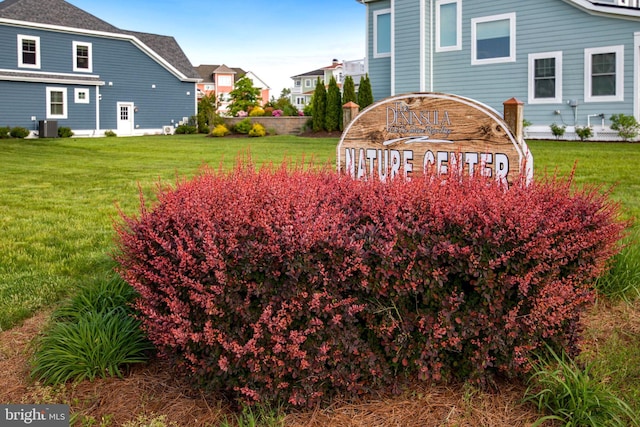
(409,134)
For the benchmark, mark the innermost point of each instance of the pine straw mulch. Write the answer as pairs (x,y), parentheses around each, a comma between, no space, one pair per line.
(153,390)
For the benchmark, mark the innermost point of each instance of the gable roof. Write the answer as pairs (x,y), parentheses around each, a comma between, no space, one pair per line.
(60,13)
(608,9)
(206,72)
(594,7)
(318,72)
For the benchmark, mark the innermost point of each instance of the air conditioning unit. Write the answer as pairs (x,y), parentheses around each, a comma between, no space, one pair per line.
(167,130)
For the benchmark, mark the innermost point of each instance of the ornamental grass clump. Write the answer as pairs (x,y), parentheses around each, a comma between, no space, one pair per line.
(292,285)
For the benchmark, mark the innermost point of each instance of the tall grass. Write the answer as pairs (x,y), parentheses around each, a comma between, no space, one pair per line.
(94,334)
(575,397)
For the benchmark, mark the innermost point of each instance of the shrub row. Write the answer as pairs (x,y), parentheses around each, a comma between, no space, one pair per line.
(295,286)
(15,132)
(20,132)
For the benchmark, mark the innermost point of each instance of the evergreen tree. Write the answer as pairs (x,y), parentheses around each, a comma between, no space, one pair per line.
(243,96)
(206,112)
(319,106)
(365,94)
(349,91)
(333,117)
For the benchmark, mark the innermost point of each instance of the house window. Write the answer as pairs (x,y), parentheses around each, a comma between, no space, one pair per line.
(124,113)
(28,51)
(297,83)
(382,33)
(56,103)
(493,39)
(545,78)
(604,74)
(81,96)
(82,57)
(448,25)
(308,83)
(224,81)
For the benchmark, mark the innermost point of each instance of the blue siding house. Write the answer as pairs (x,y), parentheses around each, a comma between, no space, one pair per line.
(572,62)
(62,65)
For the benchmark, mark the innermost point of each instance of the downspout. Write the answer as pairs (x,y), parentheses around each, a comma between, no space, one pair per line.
(97,111)
(393,48)
(423,56)
(431,46)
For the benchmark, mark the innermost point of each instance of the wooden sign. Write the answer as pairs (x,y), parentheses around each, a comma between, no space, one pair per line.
(411,134)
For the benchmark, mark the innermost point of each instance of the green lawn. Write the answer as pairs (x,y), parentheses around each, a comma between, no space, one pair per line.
(59,197)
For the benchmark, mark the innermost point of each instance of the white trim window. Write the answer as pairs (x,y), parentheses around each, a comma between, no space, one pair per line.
(545,78)
(448,25)
(81,96)
(82,57)
(226,81)
(604,74)
(382,33)
(493,39)
(56,103)
(28,51)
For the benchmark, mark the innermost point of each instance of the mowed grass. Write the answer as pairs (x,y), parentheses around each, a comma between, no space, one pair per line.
(60,197)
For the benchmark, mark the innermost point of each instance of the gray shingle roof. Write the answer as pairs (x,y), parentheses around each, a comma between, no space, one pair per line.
(61,13)
(206,72)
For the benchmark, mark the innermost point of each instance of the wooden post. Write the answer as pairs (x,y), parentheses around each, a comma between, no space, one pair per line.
(514,117)
(349,112)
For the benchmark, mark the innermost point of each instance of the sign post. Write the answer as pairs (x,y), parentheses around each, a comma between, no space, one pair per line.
(417,133)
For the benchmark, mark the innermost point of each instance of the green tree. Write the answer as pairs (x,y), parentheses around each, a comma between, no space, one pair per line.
(365,93)
(243,96)
(319,106)
(333,116)
(207,107)
(349,91)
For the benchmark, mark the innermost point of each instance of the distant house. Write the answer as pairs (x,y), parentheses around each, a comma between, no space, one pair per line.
(65,66)
(219,80)
(305,84)
(572,62)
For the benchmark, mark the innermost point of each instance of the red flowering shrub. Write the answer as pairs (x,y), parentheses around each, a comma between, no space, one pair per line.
(296,285)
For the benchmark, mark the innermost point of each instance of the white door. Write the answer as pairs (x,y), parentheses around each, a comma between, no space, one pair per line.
(125,118)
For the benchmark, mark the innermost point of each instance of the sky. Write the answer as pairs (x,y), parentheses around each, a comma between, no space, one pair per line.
(274,39)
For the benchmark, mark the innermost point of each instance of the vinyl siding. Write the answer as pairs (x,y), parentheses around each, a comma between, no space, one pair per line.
(407,46)
(131,71)
(541,26)
(379,69)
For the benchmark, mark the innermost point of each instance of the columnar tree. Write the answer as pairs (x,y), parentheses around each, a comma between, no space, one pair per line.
(333,117)
(319,106)
(349,91)
(365,93)
(206,112)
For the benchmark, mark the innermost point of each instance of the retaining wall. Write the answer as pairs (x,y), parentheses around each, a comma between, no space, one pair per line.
(281,125)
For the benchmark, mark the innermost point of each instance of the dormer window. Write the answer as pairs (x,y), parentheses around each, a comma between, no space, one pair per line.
(82,57)
(28,51)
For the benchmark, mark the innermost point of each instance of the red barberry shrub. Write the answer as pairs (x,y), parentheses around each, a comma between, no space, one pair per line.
(480,277)
(251,280)
(295,285)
